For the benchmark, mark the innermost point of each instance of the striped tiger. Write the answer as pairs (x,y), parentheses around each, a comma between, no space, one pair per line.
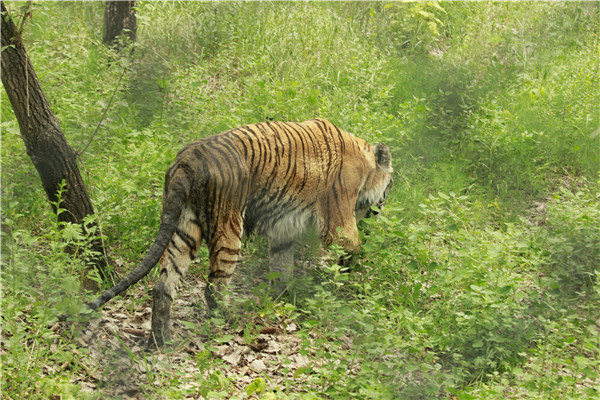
(272,179)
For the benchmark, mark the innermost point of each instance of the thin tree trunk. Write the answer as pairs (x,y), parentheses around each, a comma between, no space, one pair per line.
(44,140)
(119,19)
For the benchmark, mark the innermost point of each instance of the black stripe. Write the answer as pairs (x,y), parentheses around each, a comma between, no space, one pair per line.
(309,138)
(341,137)
(226,250)
(268,149)
(175,267)
(235,228)
(175,245)
(216,147)
(216,163)
(188,240)
(245,148)
(325,139)
(260,144)
(259,149)
(281,247)
(252,139)
(279,148)
(219,274)
(189,171)
(316,149)
(230,250)
(222,260)
(290,147)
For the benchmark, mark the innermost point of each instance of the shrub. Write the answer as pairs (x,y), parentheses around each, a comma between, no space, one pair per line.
(574,240)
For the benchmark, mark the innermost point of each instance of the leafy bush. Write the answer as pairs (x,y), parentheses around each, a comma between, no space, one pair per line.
(574,240)
(42,279)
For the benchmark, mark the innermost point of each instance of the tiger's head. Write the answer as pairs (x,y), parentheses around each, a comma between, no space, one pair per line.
(377,183)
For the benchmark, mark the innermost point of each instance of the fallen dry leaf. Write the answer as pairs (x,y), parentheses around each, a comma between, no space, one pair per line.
(268,330)
(135,332)
(258,365)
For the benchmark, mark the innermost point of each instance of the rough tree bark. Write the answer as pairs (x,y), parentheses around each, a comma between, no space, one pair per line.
(44,140)
(119,18)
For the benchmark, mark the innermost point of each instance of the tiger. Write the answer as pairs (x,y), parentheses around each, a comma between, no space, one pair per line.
(273,179)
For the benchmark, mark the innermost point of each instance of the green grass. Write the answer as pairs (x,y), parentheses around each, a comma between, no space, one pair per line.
(479,280)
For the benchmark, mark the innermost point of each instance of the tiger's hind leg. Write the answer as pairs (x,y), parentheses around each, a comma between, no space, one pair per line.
(281,263)
(173,265)
(224,253)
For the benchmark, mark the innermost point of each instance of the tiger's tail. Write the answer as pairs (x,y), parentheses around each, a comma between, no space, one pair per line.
(176,196)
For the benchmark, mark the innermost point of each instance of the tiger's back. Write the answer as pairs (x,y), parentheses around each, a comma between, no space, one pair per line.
(276,174)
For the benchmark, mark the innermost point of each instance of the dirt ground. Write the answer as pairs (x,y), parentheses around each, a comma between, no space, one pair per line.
(122,362)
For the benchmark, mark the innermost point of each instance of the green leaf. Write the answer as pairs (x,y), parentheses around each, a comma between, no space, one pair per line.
(274,275)
(302,370)
(224,339)
(187,324)
(258,386)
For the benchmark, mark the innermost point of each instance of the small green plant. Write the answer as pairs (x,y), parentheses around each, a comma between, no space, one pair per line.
(41,281)
(574,240)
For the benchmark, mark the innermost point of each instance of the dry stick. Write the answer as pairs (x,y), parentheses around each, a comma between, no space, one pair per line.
(79,153)
(87,172)
(103,114)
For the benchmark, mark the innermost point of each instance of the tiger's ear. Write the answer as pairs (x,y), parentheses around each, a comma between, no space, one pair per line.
(383,157)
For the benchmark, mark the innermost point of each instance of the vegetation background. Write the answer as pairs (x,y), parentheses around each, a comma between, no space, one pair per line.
(480,279)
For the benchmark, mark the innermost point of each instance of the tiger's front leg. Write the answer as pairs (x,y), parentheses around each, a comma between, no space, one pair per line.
(281,262)
(224,257)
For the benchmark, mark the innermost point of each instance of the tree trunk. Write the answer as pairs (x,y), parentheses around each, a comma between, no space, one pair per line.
(119,18)
(44,140)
